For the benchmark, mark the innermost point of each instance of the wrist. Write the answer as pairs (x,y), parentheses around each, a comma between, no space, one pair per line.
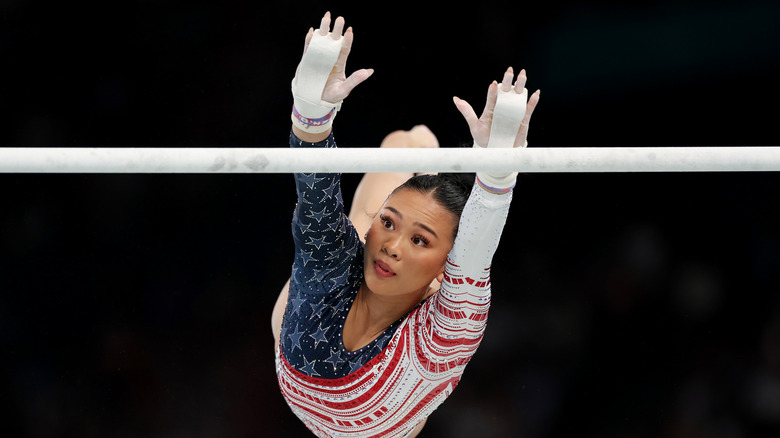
(498,185)
(310,137)
(312,118)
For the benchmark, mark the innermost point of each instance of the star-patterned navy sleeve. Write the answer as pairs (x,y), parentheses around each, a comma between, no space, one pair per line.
(325,240)
(326,274)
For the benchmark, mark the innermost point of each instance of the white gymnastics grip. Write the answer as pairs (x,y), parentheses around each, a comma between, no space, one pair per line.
(507,118)
(311,113)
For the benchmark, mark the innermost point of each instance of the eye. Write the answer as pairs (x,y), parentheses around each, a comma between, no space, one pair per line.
(386,222)
(420,241)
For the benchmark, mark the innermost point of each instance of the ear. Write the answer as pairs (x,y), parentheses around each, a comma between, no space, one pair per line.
(442,270)
(364,238)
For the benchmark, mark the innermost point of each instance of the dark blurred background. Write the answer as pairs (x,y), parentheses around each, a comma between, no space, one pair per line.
(625,305)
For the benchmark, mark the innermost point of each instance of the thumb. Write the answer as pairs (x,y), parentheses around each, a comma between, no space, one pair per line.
(468,113)
(356,78)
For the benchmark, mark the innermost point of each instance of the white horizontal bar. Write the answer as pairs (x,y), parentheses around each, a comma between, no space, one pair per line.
(364,160)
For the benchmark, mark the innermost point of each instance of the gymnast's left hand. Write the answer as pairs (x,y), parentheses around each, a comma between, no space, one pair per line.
(338,85)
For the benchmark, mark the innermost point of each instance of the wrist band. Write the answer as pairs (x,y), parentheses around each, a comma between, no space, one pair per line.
(495,189)
(307,123)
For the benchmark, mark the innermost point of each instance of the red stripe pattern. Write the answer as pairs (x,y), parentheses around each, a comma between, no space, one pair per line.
(407,381)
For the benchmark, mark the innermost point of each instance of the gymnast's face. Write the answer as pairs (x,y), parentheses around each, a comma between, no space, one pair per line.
(407,244)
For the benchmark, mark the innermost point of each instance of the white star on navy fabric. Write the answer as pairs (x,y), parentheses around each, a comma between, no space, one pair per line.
(319,275)
(351,251)
(330,190)
(307,256)
(309,368)
(334,359)
(318,215)
(310,179)
(316,314)
(296,305)
(339,278)
(317,243)
(305,230)
(296,339)
(336,252)
(335,226)
(319,336)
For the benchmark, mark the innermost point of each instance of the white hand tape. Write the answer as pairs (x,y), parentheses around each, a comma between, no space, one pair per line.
(310,112)
(507,117)
(315,67)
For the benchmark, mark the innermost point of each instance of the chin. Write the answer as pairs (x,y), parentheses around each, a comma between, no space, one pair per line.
(390,286)
(382,286)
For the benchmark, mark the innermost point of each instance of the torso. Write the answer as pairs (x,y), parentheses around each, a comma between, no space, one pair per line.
(357,332)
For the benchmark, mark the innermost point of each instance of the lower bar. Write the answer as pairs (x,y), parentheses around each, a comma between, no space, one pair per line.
(372,159)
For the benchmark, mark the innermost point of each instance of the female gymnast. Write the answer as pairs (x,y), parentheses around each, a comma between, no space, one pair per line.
(383,311)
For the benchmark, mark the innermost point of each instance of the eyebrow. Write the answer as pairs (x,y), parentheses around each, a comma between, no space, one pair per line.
(421,225)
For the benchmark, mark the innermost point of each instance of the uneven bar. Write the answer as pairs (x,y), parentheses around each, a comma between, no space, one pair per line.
(372,159)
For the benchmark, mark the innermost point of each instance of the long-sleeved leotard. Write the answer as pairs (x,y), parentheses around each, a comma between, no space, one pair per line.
(387,387)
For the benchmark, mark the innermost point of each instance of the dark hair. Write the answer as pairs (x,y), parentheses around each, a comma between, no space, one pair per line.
(450,190)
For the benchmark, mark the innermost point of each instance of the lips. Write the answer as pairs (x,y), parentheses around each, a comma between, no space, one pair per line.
(382,269)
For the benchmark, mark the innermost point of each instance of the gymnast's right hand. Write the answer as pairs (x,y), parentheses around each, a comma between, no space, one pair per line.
(321,84)
(503,123)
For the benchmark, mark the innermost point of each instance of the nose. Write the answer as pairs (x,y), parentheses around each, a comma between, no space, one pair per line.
(392,248)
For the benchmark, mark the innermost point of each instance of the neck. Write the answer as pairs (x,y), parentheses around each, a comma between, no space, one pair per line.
(376,312)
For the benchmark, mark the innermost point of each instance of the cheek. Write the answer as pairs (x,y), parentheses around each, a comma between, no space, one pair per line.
(371,235)
(432,264)
(374,238)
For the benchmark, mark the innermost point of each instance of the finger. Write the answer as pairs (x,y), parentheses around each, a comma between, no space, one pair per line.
(522,134)
(346,47)
(468,113)
(531,106)
(506,82)
(307,41)
(325,24)
(520,83)
(490,102)
(338,28)
(356,79)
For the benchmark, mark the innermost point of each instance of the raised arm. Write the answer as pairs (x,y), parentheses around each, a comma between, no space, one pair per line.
(504,123)
(458,313)
(320,84)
